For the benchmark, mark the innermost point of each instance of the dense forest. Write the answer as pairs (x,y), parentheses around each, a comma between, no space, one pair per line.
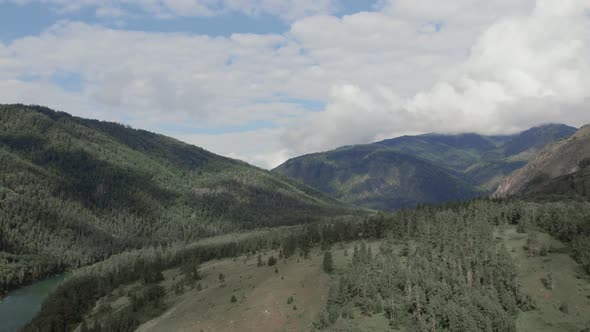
(439,268)
(444,269)
(76,191)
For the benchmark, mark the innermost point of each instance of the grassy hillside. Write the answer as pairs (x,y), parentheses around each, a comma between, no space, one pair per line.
(283,297)
(75,191)
(411,170)
(560,305)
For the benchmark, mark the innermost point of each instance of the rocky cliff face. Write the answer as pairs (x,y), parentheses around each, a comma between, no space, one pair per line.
(559,159)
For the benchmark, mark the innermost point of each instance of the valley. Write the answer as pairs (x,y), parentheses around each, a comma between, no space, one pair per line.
(294,166)
(159,235)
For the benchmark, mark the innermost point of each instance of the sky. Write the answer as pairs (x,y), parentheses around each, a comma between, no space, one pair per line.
(267,80)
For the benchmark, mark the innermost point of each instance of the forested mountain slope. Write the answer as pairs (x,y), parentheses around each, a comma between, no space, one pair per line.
(411,170)
(560,169)
(75,191)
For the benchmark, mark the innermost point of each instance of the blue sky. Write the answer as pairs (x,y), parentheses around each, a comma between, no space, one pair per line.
(20,20)
(267,80)
(24,19)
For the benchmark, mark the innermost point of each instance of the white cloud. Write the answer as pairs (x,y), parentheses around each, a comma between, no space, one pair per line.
(541,58)
(414,66)
(472,12)
(522,70)
(156,76)
(258,147)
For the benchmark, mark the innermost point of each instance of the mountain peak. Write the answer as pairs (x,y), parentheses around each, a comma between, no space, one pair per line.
(537,137)
(559,159)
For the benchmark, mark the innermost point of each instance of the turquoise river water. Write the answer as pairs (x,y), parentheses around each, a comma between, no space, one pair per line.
(19,306)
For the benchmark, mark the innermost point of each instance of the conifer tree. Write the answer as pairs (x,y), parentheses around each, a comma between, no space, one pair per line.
(328,263)
(260,262)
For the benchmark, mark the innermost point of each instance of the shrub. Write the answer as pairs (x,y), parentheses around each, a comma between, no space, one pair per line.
(260,262)
(584,163)
(564,308)
(543,251)
(547,281)
(328,264)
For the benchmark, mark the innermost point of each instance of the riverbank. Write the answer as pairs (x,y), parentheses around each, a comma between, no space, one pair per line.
(21,270)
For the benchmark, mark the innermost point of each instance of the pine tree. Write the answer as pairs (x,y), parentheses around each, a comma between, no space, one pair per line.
(260,262)
(272,261)
(363,253)
(355,255)
(328,264)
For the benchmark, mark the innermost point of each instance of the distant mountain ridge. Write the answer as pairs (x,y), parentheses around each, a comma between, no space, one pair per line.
(423,169)
(561,168)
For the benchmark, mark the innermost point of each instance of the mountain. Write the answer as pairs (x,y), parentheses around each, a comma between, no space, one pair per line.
(537,138)
(74,191)
(374,177)
(424,169)
(559,169)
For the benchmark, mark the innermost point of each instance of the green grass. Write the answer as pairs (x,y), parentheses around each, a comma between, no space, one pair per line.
(571,286)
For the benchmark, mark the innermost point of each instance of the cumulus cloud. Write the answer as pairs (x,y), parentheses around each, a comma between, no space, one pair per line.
(175,77)
(522,70)
(474,13)
(257,147)
(410,66)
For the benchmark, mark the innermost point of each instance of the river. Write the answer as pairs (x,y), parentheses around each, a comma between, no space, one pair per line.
(18,307)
